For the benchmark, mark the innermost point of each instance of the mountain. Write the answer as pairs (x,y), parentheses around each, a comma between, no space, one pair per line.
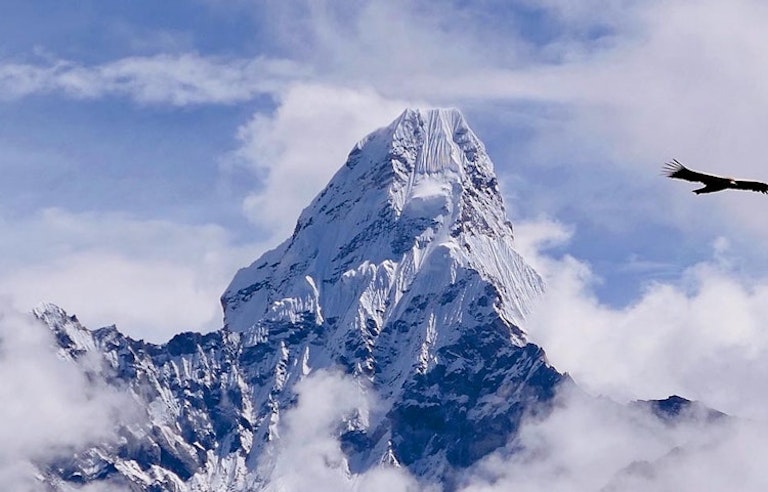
(400,274)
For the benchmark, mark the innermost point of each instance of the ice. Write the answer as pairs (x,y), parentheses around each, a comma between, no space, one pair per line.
(422,185)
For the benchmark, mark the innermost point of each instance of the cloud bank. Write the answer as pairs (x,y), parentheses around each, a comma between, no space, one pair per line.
(586,443)
(594,444)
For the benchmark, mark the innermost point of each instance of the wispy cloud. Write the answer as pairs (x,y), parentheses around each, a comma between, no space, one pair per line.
(179,80)
(586,443)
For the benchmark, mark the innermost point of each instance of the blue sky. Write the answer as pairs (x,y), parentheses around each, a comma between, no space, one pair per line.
(151,149)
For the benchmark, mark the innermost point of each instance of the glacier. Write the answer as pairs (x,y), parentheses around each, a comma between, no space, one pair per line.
(401,274)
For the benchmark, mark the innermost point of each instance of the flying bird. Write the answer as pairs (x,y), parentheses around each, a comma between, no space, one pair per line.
(712,183)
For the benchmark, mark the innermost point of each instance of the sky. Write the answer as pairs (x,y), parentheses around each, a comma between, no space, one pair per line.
(150,149)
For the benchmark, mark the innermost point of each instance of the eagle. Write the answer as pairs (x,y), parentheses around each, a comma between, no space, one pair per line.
(712,183)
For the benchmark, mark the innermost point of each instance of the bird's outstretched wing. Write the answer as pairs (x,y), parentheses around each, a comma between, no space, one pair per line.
(758,186)
(712,182)
(674,169)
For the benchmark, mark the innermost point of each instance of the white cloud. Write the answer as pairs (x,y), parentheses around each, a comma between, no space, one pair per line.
(148,299)
(309,456)
(179,80)
(678,80)
(586,443)
(638,84)
(49,406)
(675,79)
(301,146)
(152,278)
(534,237)
(594,444)
(700,336)
(394,45)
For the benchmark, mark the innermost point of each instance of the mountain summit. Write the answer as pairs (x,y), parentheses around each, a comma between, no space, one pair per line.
(402,274)
(415,204)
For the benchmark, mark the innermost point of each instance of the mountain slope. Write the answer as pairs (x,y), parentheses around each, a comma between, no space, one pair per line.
(400,273)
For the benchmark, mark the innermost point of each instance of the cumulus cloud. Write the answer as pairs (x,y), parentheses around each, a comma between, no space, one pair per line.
(309,456)
(49,405)
(629,85)
(152,278)
(700,335)
(301,145)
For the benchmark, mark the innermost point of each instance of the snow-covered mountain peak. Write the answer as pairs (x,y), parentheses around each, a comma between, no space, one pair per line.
(48,309)
(423,156)
(439,135)
(416,206)
(70,334)
(401,274)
